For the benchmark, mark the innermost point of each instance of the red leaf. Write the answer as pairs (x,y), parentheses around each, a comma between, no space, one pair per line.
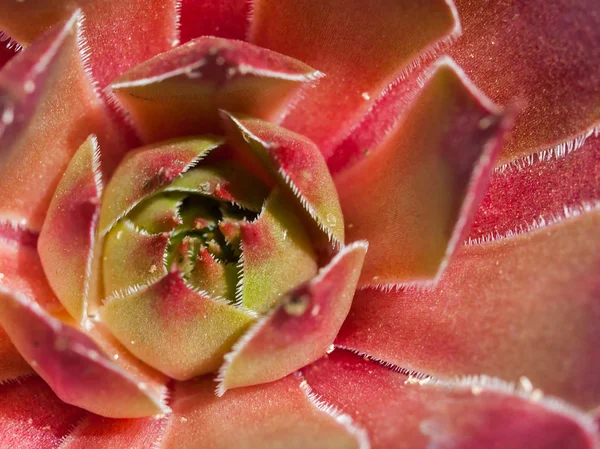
(524,306)
(75,367)
(224,18)
(413,197)
(300,329)
(544,55)
(180,92)
(537,190)
(32,417)
(359,47)
(272,416)
(478,413)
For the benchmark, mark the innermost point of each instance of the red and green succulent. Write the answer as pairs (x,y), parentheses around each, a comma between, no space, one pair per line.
(299,223)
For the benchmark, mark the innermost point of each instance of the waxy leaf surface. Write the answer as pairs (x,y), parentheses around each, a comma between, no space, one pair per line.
(171,327)
(286,418)
(298,166)
(33,417)
(277,254)
(542,56)
(67,237)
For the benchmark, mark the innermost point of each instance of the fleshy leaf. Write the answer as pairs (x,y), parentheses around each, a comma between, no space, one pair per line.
(98,432)
(276,415)
(32,417)
(276,255)
(538,190)
(158,214)
(545,56)
(114,36)
(26,21)
(132,258)
(67,237)
(72,364)
(225,18)
(524,306)
(23,80)
(145,171)
(413,197)
(21,270)
(298,166)
(381,118)
(8,48)
(178,331)
(180,92)
(300,329)
(216,279)
(50,108)
(121,34)
(225,182)
(408,413)
(359,47)
(12,364)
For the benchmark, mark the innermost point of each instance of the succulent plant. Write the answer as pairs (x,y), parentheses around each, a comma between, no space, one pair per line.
(299,224)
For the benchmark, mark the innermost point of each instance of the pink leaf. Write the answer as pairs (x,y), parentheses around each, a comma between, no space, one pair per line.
(180,92)
(413,197)
(360,48)
(276,415)
(524,306)
(50,107)
(300,329)
(407,413)
(73,365)
(32,417)
(540,189)
(224,18)
(543,55)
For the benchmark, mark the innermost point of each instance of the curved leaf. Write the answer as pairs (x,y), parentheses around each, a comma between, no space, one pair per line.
(524,306)
(413,197)
(543,56)
(405,413)
(72,364)
(300,329)
(360,48)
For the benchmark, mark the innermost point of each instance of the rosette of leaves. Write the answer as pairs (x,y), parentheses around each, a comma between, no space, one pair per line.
(302,224)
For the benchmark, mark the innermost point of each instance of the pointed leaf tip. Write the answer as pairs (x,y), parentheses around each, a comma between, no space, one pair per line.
(521,306)
(73,364)
(276,254)
(66,242)
(53,107)
(300,329)
(557,83)
(359,47)
(428,180)
(297,165)
(146,171)
(173,328)
(271,416)
(179,92)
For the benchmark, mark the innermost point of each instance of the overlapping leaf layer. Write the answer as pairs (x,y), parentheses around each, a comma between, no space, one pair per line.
(268,224)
